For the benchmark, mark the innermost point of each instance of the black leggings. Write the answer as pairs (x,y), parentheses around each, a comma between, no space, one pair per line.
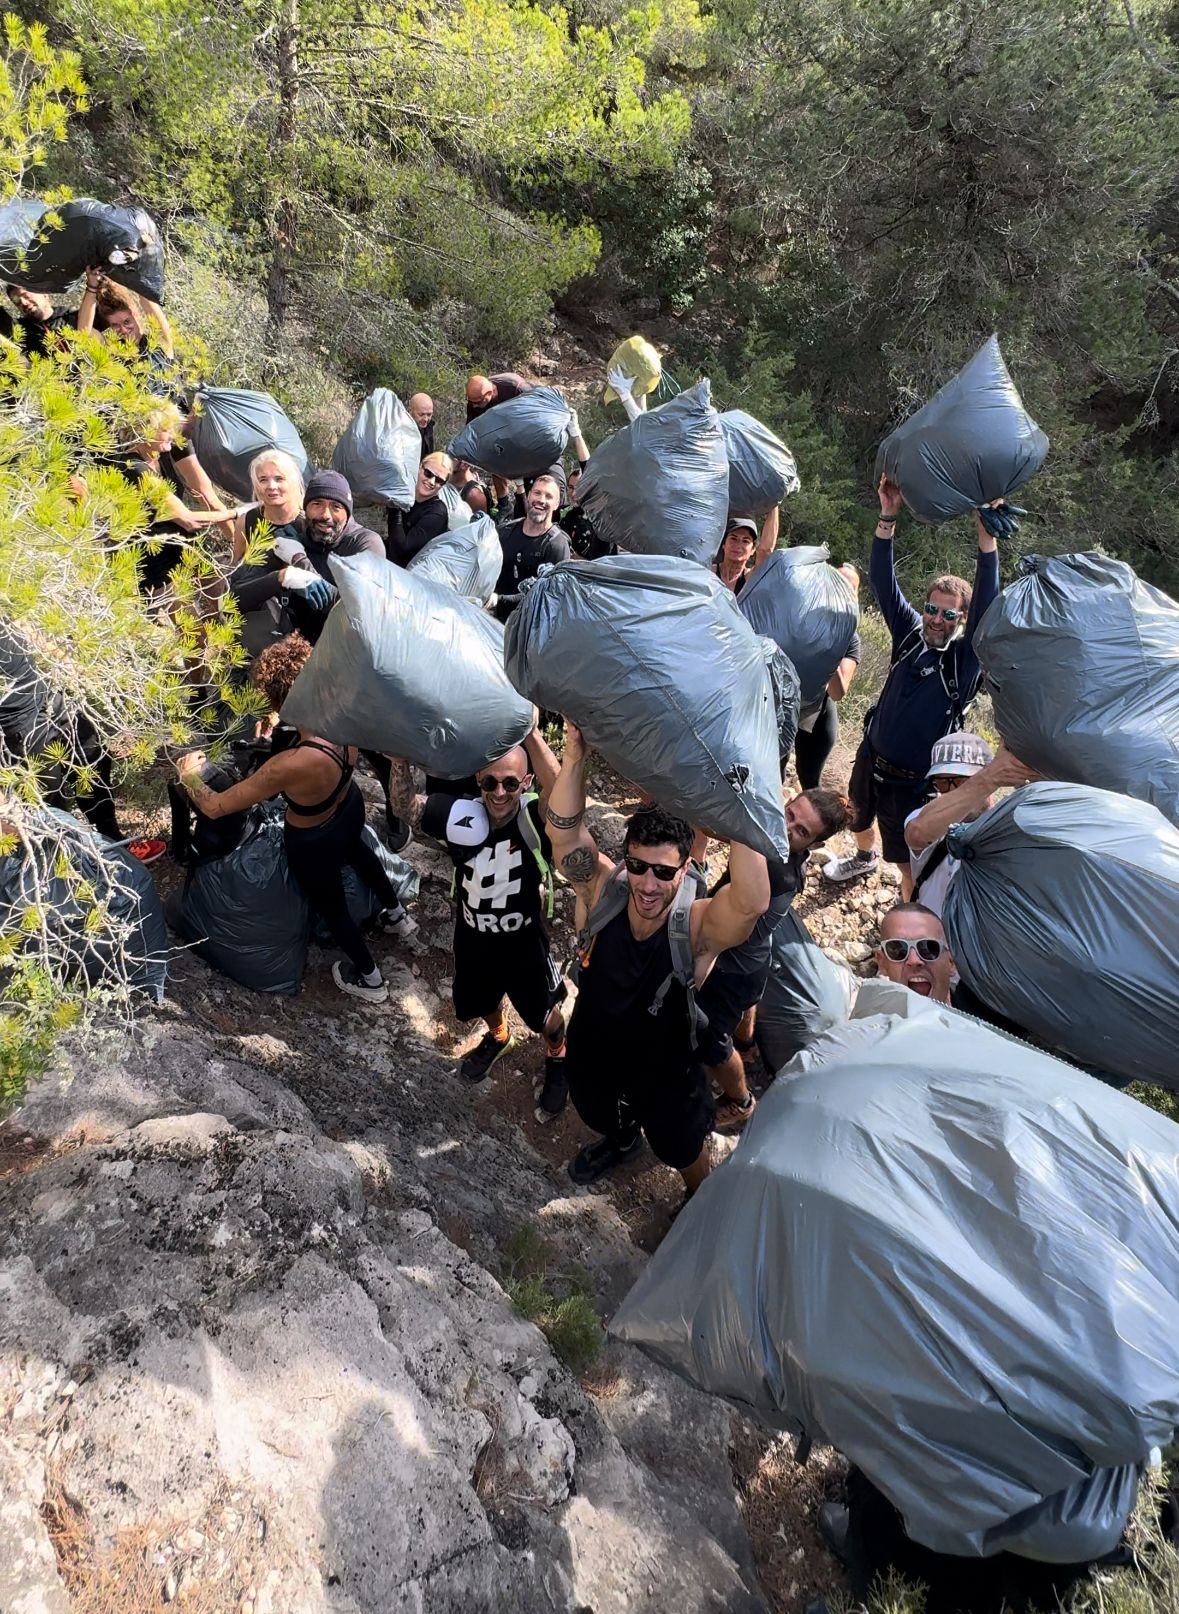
(812,750)
(99,803)
(317,857)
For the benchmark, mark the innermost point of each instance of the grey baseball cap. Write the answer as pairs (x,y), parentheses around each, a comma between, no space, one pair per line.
(958,756)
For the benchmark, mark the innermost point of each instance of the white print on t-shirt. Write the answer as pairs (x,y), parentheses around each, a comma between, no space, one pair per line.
(490,874)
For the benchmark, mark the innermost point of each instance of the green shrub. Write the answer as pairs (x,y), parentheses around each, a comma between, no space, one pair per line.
(556,1297)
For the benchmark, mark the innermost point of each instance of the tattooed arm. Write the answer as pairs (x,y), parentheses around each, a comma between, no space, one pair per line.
(404,798)
(575,852)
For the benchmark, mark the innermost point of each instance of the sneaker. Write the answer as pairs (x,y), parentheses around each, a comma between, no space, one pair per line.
(552,1092)
(483,1058)
(345,975)
(147,851)
(596,1159)
(732,1113)
(398,834)
(842,869)
(397,923)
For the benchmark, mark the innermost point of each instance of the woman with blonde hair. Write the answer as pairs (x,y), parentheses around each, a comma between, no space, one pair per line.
(427,517)
(277,481)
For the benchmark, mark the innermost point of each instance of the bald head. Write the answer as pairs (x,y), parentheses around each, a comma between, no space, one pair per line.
(480,392)
(421,408)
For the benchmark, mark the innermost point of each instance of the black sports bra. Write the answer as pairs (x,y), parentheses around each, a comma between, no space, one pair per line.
(345,768)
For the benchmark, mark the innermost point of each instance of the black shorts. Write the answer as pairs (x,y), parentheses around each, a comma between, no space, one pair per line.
(878,796)
(521,968)
(671,1104)
(724,998)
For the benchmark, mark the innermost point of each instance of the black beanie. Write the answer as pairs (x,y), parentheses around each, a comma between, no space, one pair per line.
(328,484)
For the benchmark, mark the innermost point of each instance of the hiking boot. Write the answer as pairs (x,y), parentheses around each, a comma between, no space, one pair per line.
(397,923)
(398,834)
(484,1056)
(839,870)
(552,1092)
(596,1159)
(347,978)
(732,1113)
(148,849)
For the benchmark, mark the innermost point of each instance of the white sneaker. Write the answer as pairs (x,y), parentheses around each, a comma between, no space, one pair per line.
(399,925)
(345,976)
(839,870)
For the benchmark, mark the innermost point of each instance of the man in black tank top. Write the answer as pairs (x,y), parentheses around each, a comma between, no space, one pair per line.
(630,1062)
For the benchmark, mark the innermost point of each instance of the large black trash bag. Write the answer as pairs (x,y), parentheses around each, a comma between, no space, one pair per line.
(121,885)
(245,913)
(406,667)
(660,486)
(651,658)
(380,451)
(467,559)
(520,437)
(1081,660)
(795,598)
(123,241)
(806,994)
(971,443)
(1064,916)
(762,471)
(231,427)
(952,1257)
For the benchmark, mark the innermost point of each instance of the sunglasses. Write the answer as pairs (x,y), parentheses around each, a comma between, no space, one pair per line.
(928,949)
(940,610)
(432,476)
(662,871)
(944,785)
(489,785)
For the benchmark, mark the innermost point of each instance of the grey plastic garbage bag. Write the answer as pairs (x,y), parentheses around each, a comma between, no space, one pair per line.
(952,1257)
(651,658)
(133,947)
(1064,916)
(520,437)
(784,687)
(458,511)
(761,468)
(795,598)
(467,559)
(806,994)
(406,667)
(245,913)
(1081,659)
(380,451)
(232,426)
(18,222)
(660,486)
(124,241)
(971,443)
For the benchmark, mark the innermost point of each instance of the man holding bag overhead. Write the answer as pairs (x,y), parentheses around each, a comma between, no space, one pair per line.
(933,677)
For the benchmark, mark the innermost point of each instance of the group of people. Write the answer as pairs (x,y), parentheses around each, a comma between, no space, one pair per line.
(669,972)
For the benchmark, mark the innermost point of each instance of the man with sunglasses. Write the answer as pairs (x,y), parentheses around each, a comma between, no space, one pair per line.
(426,518)
(913,951)
(503,887)
(632,1063)
(532,542)
(932,679)
(965,776)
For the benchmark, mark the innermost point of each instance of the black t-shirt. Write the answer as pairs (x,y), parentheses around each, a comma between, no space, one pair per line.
(498,885)
(507,384)
(523,557)
(411,531)
(583,540)
(40,336)
(427,435)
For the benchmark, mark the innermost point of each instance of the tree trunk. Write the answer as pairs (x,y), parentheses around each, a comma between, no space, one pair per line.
(284,220)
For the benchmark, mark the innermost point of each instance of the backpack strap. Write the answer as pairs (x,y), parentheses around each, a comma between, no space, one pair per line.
(683,964)
(936,858)
(530,835)
(614,898)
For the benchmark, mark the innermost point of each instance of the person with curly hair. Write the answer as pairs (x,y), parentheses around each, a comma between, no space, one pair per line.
(324,823)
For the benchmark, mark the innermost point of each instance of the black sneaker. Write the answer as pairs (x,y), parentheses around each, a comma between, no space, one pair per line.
(398,834)
(485,1055)
(552,1092)
(346,977)
(596,1159)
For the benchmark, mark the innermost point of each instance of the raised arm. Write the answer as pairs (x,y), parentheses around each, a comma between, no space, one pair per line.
(729,917)
(898,614)
(545,766)
(938,817)
(405,798)
(768,539)
(575,851)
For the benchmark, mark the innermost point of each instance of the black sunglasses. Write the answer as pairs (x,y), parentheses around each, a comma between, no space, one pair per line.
(490,785)
(940,610)
(432,476)
(928,949)
(661,871)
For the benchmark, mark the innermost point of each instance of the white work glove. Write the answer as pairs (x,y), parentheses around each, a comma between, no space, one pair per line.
(318,593)
(288,549)
(574,423)
(623,385)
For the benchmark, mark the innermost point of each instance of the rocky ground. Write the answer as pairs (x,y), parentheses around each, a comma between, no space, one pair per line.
(257,1353)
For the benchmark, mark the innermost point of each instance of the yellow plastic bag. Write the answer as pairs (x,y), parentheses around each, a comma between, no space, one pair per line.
(639,359)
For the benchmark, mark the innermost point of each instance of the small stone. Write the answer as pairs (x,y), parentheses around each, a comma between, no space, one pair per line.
(170,1585)
(857,952)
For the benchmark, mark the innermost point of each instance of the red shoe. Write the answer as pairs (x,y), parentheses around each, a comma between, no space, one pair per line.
(147,851)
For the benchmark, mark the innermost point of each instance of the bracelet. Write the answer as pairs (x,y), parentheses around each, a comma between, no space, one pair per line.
(887,521)
(558,822)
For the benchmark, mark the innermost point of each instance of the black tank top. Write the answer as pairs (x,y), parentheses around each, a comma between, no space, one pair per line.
(335,794)
(618,984)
